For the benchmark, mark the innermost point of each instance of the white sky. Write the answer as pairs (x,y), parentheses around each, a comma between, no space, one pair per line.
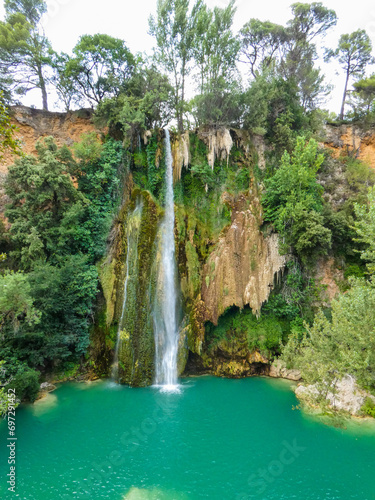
(128,19)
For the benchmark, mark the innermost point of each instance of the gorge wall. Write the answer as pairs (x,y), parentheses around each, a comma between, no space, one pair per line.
(228,262)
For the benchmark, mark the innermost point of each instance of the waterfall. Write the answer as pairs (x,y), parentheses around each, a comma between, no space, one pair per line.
(132,234)
(165,308)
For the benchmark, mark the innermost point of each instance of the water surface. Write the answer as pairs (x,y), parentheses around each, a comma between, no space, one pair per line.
(216,439)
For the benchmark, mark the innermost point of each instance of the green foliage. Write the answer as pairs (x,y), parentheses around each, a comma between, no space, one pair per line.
(299,53)
(149,167)
(201,189)
(289,300)
(365,229)
(89,148)
(42,196)
(16,302)
(368,407)
(65,296)
(7,140)
(238,326)
(360,176)
(204,173)
(145,103)
(353,53)
(173,31)
(98,181)
(215,50)
(272,105)
(194,269)
(65,86)
(289,52)
(4,400)
(261,41)
(343,345)
(292,201)
(25,51)
(362,99)
(25,383)
(101,65)
(59,230)
(220,104)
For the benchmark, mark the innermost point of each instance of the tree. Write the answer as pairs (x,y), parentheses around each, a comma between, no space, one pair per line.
(331,349)
(292,201)
(65,295)
(146,104)
(42,194)
(65,85)
(299,52)
(7,140)
(353,53)
(100,67)
(215,51)
(215,48)
(174,34)
(31,9)
(16,303)
(363,97)
(25,51)
(365,229)
(261,42)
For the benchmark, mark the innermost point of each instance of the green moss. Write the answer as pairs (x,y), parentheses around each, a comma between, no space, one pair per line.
(194,269)
(240,332)
(102,340)
(107,276)
(137,347)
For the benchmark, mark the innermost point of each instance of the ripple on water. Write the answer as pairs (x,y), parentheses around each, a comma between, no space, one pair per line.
(153,494)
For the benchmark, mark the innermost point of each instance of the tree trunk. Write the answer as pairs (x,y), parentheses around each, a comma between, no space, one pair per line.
(341,117)
(44,96)
(181,118)
(42,86)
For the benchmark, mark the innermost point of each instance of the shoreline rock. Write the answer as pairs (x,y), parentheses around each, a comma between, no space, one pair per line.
(347,397)
(278,369)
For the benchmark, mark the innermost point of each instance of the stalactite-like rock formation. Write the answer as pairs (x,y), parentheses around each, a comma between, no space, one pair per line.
(219,143)
(242,268)
(180,153)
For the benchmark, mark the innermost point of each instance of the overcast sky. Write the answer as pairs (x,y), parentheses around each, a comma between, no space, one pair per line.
(128,19)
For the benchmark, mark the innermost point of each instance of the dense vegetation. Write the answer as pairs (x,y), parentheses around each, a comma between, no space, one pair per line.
(62,204)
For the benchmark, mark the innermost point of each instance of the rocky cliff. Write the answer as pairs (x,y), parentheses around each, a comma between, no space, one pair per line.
(32,124)
(351,140)
(228,263)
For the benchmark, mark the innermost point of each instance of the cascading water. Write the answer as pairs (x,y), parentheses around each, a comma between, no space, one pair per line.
(165,309)
(132,235)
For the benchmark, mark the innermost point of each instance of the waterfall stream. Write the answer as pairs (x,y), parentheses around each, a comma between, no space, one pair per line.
(165,308)
(132,235)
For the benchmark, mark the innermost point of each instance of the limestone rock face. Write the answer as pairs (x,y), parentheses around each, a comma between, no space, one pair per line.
(219,143)
(350,139)
(278,369)
(32,124)
(180,153)
(241,269)
(329,276)
(348,395)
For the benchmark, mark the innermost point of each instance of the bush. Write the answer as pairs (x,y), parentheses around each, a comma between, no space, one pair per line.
(25,383)
(368,407)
